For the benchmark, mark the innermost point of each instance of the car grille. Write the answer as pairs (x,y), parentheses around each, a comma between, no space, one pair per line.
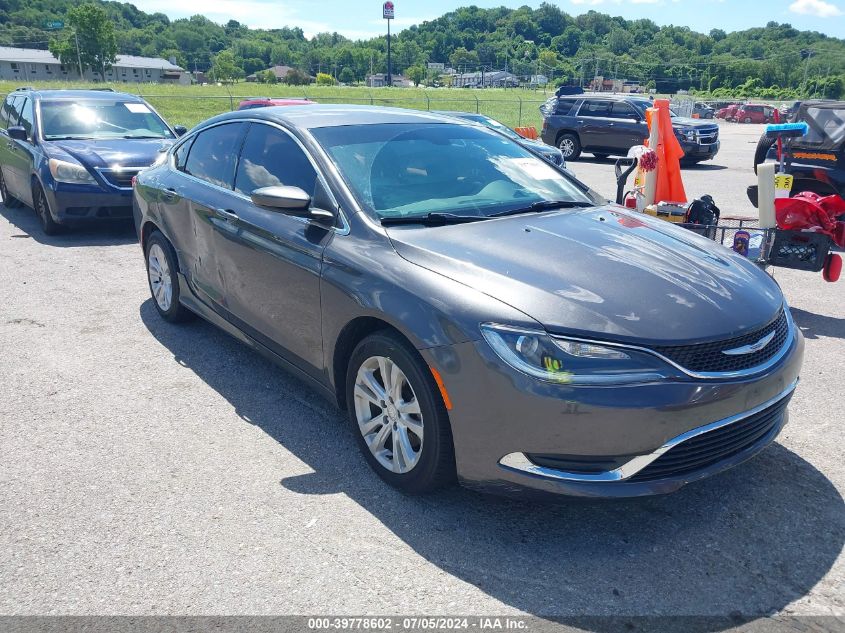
(120,177)
(709,357)
(708,136)
(714,446)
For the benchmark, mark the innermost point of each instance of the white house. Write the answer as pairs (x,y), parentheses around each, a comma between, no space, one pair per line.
(29,64)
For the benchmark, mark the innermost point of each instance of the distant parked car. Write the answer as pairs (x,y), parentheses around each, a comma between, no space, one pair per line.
(551,154)
(71,154)
(755,113)
(728,112)
(703,110)
(606,125)
(789,111)
(266,102)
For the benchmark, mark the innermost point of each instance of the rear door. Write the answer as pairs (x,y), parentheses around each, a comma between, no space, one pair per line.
(271,261)
(595,127)
(194,204)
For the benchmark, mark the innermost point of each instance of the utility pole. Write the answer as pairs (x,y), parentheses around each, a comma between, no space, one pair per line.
(388,13)
(78,55)
(806,69)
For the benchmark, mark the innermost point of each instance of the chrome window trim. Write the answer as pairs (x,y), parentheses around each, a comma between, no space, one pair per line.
(709,375)
(109,170)
(519,461)
(344,229)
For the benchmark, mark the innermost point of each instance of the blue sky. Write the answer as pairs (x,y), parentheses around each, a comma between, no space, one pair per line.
(362,18)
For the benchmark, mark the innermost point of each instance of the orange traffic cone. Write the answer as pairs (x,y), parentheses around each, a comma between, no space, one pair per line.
(670,186)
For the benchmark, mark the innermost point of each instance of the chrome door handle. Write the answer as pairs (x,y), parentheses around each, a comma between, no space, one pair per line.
(228,214)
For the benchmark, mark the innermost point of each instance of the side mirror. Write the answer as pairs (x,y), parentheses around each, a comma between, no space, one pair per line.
(292,201)
(180,130)
(17,132)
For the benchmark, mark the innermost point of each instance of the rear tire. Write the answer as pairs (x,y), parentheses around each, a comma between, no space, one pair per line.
(747,120)
(162,268)
(763,146)
(569,146)
(42,209)
(399,419)
(8,200)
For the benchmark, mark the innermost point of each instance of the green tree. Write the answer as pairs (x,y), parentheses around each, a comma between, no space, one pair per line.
(347,75)
(416,74)
(296,77)
(325,79)
(462,57)
(224,68)
(94,31)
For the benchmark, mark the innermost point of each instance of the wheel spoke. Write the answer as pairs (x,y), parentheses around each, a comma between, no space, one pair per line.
(370,425)
(403,453)
(414,426)
(367,395)
(373,385)
(408,407)
(379,439)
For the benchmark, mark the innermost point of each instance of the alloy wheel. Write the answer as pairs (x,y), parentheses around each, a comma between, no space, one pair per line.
(159,273)
(388,414)
(4,191)
(567,147)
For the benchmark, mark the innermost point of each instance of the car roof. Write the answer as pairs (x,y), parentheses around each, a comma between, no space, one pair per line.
(90,95)
(327,115)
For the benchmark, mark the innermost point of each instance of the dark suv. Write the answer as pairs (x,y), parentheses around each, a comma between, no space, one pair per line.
(607,125)
(71,154)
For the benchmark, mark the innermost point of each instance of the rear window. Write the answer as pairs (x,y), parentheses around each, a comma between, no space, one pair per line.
(564,106)
(827,127)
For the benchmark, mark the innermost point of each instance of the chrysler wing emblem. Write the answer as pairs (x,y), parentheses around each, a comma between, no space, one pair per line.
(753,347)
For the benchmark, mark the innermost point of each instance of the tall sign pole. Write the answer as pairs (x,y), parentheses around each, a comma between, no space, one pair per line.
(388,12)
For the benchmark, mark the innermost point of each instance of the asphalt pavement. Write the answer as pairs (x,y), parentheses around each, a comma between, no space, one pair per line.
(147,468)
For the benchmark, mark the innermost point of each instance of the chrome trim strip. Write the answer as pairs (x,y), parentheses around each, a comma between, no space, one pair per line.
(520,462)
(743,373)
(102,171)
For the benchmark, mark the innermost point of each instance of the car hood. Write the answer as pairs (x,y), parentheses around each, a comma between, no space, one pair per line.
(538,147)
(113,152)
(682,121)
(602,272)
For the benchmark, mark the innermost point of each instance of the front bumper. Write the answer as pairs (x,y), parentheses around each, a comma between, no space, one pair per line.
(500,414)
(694,151)
(75,204)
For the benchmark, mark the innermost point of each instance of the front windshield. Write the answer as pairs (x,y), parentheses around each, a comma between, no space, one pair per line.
(405,170)
(642,106)
(100,119)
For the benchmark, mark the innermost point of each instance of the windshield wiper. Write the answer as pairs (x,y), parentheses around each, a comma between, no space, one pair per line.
(142,136)
(432,219)
(543,205)
(69,138)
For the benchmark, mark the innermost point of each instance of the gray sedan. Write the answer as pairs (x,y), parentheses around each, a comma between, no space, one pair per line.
(480,314)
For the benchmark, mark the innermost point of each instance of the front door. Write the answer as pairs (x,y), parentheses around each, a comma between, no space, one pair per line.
(19,157)
(630,129)
(270,261)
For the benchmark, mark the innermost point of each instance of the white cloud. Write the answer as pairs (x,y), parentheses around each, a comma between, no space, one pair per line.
(818,8)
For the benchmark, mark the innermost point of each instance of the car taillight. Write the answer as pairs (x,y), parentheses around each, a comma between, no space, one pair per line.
(134,180)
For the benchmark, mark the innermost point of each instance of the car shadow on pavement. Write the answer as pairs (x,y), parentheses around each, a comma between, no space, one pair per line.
(110,233)
(815,326)
(740,545)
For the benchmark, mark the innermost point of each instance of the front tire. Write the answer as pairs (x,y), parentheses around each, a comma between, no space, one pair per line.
(747,120)
(8,200)
(569,145)
(162,267)
(42,209)
(398,415)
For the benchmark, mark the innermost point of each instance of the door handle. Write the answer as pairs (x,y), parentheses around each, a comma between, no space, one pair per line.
(228,214)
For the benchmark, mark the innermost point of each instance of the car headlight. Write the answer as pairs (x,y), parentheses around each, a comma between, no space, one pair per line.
(566,361)
(64,171)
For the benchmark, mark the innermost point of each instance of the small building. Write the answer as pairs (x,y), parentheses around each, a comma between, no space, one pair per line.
(29,64)
(281,73)
(481,79)
(538,80)
(379,80)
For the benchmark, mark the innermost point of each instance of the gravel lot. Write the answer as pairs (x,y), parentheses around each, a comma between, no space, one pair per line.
(147,468)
